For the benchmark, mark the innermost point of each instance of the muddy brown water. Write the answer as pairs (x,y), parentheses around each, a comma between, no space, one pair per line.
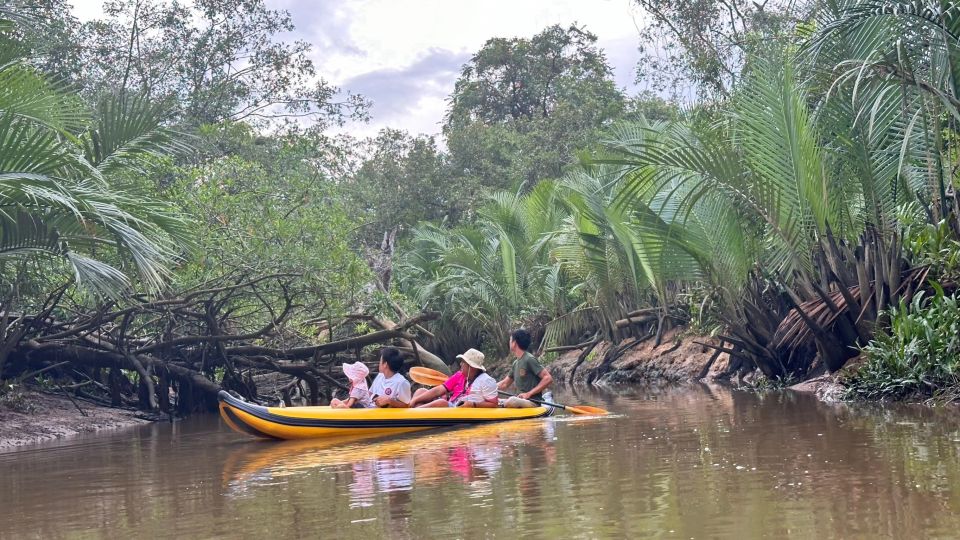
(673,463)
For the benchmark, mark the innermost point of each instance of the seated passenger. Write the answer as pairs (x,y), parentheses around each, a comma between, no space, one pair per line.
(390,388)
(444,394)
(481,390)
(359,396)
(531,378)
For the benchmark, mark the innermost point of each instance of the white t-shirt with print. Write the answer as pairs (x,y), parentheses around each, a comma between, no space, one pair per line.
(483,388)
(396,387)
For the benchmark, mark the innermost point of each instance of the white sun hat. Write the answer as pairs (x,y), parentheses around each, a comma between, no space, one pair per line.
(474,358)
(356,371)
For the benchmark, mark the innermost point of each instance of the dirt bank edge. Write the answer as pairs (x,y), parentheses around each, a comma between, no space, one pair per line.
(680,358)
(38,417)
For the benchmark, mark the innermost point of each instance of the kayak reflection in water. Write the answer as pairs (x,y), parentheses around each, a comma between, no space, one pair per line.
(475,461)
(423,457)
(379,476)
(362,488)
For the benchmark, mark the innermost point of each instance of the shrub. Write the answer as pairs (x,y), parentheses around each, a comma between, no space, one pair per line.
(919,356)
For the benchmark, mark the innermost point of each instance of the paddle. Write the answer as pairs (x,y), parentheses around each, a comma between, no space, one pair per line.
(575,409)
(432,377)
(427,376)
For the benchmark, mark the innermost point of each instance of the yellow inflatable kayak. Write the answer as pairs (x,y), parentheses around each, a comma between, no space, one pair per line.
(312,422)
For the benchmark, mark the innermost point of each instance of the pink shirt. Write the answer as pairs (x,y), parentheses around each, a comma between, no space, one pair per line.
(455,384)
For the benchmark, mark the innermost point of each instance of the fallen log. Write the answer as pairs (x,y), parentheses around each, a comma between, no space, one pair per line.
(623,323)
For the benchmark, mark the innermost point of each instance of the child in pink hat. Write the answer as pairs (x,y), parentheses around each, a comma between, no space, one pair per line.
(359,396)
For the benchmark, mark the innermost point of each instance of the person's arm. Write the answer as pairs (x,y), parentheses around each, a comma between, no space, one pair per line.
(487,389)
(505,383)
(431,394)
(402,391)
(545,380)
(350,402)
(384,401)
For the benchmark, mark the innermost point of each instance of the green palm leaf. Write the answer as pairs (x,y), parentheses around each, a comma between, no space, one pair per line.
(26,94)
(127,133)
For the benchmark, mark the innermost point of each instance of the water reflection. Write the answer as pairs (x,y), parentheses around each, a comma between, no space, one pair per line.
(685,462)
(472,456)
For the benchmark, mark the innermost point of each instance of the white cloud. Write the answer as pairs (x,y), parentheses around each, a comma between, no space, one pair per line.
(399,93)
(405,54)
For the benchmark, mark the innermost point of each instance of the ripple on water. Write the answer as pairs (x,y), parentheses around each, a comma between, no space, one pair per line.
(698,462)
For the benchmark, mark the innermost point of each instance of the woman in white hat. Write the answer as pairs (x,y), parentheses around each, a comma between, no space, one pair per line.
(481,390)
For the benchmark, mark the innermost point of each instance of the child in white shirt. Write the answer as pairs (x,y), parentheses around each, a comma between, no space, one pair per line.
(390,388)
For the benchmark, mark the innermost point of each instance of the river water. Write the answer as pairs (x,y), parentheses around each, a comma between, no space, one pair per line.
(688,462)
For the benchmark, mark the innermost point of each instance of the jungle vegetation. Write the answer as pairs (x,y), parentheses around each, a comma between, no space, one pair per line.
(176,214)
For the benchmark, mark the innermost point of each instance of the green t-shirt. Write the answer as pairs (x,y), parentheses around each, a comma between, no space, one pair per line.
(526,373)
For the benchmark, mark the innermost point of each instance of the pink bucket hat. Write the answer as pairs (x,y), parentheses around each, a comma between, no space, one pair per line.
(356,371)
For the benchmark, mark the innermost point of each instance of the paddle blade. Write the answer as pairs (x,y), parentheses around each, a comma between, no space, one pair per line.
(427,376)
(586,409)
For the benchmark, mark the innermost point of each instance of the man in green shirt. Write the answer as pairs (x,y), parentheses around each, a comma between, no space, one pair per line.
(529,375)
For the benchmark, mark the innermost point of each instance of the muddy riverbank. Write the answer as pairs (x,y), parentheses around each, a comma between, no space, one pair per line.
(31,417)
(680,358)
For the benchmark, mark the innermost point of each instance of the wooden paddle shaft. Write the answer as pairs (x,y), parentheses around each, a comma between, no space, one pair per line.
(537,401)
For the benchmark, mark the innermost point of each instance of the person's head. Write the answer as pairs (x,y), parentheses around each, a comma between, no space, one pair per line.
(390,361)
(356,372)
(471,362)
(519,341)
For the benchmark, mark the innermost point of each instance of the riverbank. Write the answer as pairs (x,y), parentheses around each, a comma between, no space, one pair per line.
(30,417)
(680,358)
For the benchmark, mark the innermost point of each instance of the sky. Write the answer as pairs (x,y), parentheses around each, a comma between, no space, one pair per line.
(405,55)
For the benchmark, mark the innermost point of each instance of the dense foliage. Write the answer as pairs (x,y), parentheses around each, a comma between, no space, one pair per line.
(700,48)
(153,196)
(919,356)
(522,107)
(775,207)
(801,207)
(67,189)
